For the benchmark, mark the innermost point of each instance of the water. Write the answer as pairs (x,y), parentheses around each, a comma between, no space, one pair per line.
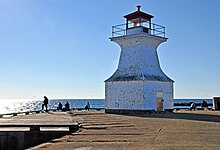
(192,100)
(197,101)
(22,105)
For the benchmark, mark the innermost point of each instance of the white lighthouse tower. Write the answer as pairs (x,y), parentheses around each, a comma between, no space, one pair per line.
(138,85)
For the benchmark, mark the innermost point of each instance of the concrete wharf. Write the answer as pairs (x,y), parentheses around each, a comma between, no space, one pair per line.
(181,130)
(24,130)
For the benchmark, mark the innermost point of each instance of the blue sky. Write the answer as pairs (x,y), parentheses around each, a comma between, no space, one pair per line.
(61,48)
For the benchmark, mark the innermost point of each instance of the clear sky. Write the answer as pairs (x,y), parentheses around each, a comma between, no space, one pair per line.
(61,48)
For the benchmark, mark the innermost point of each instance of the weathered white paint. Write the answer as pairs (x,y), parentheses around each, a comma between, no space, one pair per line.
(137,95)
(138,78)
(125,95)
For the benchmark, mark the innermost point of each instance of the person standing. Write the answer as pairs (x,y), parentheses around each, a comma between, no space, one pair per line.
(60,106)
(87,107)
(45,103)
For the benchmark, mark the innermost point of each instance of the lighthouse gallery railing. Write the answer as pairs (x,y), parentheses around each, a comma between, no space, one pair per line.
(154,29)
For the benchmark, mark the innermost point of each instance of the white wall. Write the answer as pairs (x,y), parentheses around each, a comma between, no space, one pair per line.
(139,77)
(124,95)
(139,56)
(150,94)
(137,95)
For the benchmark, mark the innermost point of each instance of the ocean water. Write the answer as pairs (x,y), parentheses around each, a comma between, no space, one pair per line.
(22,105)
(197,101)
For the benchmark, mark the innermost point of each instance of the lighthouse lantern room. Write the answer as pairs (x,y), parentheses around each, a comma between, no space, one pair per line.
(138,19)
(138,84)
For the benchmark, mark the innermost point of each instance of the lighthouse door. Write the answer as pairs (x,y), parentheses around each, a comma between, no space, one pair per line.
(159,101)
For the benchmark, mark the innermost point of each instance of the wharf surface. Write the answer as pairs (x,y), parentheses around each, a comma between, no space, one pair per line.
(181,130)
(25,130)
(41,118)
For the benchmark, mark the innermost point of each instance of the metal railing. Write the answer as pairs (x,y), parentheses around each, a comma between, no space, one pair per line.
(153,29)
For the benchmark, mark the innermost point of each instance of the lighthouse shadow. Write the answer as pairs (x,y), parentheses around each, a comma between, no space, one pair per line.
(186,116)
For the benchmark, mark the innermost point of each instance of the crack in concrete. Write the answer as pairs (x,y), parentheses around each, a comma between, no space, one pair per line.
(159,131)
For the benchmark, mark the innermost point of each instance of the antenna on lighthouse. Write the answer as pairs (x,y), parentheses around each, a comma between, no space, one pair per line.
(139,7)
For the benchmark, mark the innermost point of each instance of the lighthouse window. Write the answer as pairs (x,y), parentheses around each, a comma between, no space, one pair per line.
(145,24)
(137,23)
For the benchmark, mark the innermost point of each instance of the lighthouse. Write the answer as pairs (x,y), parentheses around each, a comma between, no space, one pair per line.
(139,84)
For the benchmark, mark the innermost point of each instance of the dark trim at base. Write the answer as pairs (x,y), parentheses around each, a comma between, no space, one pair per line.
(129,111)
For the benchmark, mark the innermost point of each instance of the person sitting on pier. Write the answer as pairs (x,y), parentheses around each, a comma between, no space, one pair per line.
(67,107)
(193,106)
(60,106)
(45,103)
(87,107)
(204,104)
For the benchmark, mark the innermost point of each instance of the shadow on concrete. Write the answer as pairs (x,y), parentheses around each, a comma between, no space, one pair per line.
(179,115)
(20,140)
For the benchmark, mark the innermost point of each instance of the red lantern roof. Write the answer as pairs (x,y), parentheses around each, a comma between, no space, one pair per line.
(138,14)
